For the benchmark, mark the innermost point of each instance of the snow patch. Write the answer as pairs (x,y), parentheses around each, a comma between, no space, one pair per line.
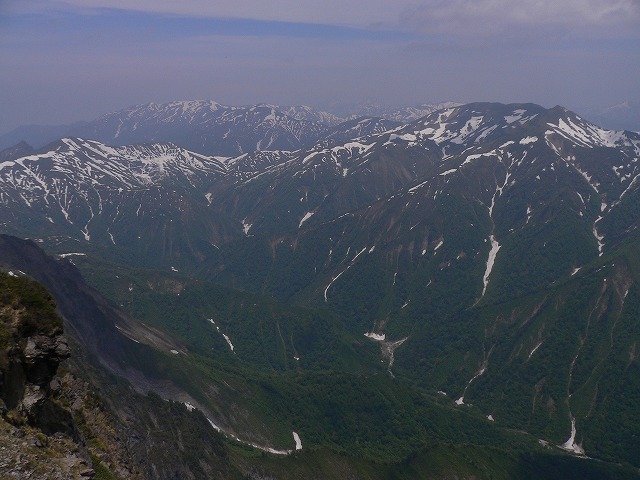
(485,133)
(296,439)
(588,135)
(570,445)
(228,341)
(378,337)
(125,334)
(306,217)
(517,115)
(251,444)
(460,401)
(534,350)
(214,426)
(528,140)
(473,157)
(599,238)
(71,254)
(226,337)
(495,246)
(407,137)
(470,127)
(331,283)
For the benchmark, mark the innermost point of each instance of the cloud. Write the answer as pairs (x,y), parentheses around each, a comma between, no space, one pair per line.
(464,18)
(354,13)
(452,20)
(443,15)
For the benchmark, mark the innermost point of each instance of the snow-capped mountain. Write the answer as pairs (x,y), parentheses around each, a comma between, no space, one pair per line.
(84,189)
(79,165)
(411,113)
(209,127)
(357,128)
(402,114)
(438,146)
(302,112)
(495,243)
(495,246)
(364,156)
(206,127)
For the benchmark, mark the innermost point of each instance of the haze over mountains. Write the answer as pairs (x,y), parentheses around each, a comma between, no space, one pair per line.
(211,128)
(621,116)
(479,261)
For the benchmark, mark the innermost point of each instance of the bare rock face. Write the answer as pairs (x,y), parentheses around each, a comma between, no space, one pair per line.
(39,438)
(33,398)
(41,357)
(32,346)
(31,366)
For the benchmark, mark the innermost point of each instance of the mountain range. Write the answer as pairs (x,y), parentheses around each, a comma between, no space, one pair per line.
(210,128)
(478,263)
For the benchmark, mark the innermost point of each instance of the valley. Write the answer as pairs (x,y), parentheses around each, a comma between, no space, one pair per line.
(451,292)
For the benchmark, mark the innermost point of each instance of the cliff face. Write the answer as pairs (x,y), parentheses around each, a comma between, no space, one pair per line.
(32,364)
(32,348)
(38,437)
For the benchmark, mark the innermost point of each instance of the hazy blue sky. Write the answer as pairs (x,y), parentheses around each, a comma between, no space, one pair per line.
(62,61)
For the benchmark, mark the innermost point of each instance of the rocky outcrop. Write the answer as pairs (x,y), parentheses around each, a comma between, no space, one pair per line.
(32,351)
(38,435)
(36,364)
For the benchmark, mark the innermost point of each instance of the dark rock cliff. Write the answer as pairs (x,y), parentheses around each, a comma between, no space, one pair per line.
(32,346)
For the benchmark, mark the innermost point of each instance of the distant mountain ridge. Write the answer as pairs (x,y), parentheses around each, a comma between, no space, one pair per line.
(622,116)
(19,150)
(404,114)
(208,127)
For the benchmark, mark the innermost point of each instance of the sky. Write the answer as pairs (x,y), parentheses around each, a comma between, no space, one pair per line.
(65,61)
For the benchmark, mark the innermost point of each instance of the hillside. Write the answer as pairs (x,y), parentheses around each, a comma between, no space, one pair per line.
(468,278)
